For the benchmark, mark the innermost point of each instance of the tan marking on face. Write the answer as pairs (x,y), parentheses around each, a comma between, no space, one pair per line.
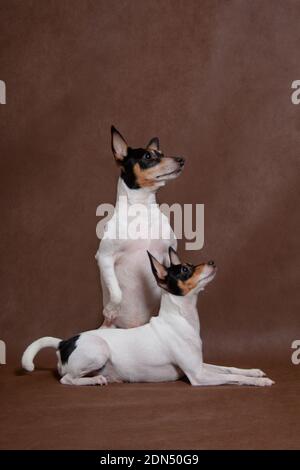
(190,284)
(144,178)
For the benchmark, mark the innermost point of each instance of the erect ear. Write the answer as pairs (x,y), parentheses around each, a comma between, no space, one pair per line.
(118,145)
(158,269)
(153,144)
(174,258)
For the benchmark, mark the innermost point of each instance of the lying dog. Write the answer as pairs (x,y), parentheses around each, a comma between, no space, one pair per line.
(163,350)
(143,171)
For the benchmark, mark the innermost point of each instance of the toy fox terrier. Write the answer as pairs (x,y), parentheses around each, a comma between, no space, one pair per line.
(165,349)
(122,261)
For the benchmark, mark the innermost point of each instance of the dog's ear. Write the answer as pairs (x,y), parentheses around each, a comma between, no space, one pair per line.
(158,269)
(153,144)
(118,145)
(174,258)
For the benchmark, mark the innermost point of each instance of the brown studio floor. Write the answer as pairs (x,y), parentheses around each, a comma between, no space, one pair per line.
(39,413)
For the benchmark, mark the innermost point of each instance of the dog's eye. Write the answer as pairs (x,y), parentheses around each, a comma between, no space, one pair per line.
(147,156)
(184,269)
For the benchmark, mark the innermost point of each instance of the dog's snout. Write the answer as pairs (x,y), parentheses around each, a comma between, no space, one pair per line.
(180,160)
(211,263)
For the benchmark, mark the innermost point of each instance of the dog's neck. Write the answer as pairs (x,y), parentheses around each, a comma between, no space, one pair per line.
(144,196)
(185,306)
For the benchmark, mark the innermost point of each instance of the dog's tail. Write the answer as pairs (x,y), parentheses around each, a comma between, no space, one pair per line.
(32,350)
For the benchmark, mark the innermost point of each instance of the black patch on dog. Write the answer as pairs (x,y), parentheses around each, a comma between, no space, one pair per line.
(66,347)
(179,272)
(144,158)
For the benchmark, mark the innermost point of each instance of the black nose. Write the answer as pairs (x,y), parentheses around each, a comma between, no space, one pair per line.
(211,263)
(180,160)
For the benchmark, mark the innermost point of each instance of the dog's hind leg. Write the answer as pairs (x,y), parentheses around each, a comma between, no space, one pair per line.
(107,324)
(88,359)
(234,370)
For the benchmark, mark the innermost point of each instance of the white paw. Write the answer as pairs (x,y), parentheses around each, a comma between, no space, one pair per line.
(111,311)
(265,382)
(100,380)
(256,373)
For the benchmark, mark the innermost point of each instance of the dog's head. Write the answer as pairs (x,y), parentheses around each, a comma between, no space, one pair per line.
(144,167)
(182,278)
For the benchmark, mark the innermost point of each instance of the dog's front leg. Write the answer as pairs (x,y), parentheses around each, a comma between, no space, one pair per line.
(201,377)
(111,310)
(189,359)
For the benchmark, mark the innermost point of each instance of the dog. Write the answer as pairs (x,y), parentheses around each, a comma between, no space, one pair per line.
(165,349)
(130,295)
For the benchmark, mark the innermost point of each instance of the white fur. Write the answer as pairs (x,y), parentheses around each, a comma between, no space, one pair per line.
(162,350)
(130,293)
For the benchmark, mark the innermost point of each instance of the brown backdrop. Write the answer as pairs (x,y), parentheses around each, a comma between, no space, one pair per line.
(213,80)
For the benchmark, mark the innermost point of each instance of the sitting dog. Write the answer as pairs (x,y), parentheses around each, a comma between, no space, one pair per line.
(163,350)
(123,263)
